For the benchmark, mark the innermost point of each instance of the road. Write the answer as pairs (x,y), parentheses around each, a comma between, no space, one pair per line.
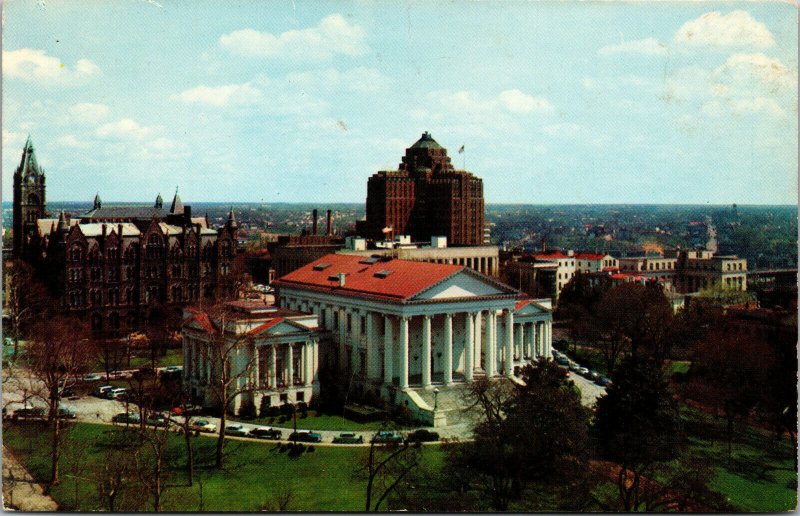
(91,409)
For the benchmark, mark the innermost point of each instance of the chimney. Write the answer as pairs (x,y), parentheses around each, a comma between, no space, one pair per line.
(314,222)
(341,276)
(119,230)
(328,224)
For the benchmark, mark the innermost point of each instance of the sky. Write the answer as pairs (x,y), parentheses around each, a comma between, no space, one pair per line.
(554,102)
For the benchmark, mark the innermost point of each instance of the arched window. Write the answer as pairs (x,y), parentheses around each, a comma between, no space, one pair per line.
(154,246)
(76,253)
(97,322)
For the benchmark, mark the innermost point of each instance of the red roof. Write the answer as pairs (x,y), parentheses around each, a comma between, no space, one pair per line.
(521,303)
(267,325)
(404,279)
(551,255)
(589,256)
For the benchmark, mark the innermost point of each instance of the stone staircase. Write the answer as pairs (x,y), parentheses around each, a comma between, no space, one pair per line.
(452,403)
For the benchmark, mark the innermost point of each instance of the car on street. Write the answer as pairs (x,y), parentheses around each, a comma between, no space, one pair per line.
(603,381)
(266,432)
(387,437)
(65,413)
(583,371)
(562,361)
(348,438)
(117,393)
(202,425)
(92,377)
(102,391)
(29,413)
(126,417)
(173,369)
(574,366)
(237,430)
(305,436)
(422,436)
(157,420)
(593,375)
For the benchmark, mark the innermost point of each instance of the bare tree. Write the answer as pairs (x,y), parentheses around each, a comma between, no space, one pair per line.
(117,486)
(280,500)
(386,466)
(150,461)
(26,300)
(226,351)
(57,351)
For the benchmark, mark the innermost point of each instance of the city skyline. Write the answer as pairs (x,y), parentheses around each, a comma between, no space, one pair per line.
(645,103)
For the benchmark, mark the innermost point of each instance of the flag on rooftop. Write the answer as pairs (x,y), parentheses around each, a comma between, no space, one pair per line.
(461,149)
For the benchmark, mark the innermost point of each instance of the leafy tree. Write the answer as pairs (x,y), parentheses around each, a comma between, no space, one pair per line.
(637,425)
(637,315)
(728,366)
(578,304)
(722,295)
(531,435)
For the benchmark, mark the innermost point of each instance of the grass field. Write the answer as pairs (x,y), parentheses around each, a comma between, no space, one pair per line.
(256,474)
(760,474)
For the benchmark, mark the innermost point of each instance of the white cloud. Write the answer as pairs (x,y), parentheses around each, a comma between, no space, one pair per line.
(647,47)
(89,112)
(161,149)
(565,130)
(333,35)
(743,106)
(734,29)
(518,102)
(747,69)
(219,96)
(360,79)
(124,129)
(72,142)
(13,139)
(36,66)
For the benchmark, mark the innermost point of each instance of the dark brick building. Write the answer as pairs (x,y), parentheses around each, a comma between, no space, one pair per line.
(115,264)
(425,197)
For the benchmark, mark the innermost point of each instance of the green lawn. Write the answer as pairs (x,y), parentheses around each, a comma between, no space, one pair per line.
(760,474)
(255,473)
(322,422)
(680,366)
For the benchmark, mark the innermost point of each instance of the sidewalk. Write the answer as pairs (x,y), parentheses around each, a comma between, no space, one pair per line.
(20,492)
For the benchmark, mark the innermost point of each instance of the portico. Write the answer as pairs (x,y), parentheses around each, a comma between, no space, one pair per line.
(401,326)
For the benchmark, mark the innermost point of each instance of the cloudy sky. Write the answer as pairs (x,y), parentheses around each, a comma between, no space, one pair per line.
(302,101)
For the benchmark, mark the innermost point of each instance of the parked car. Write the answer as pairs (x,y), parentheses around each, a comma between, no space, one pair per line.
(583,371)
(173,369)
(202,425)
(157,420)
(422,436)
(266,432)
(238,430)
(593,375)
(102,391)
(387,437)
(29,413)
(305,436)
(65,413)
(574,366)
(348,438)
(126,417)
(67,393)
(92,377)
(117,393)
(562,361)
(603,381)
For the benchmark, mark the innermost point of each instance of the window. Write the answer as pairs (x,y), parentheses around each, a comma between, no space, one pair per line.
(76,254)
(112,254)
(95,273)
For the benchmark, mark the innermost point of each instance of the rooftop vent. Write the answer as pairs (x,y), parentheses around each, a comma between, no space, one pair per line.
(382,274)
(321,266)
(371,260)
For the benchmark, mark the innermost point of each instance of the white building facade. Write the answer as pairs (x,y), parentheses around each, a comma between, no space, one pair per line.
(403,328)
(274,355)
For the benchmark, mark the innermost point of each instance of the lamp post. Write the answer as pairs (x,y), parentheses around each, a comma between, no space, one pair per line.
(435,398)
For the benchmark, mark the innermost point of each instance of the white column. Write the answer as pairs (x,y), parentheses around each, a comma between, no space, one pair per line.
(355,343)
(478,345)
(342,337)
(315,364)
(448,349)
(273,367)
(308,358)
(373,367)
(388,342)
(508,363)
(469,346)
(289,366)
(403,352)
(426,351)
(490,348)
(537,336)
(549,338)
(519,344)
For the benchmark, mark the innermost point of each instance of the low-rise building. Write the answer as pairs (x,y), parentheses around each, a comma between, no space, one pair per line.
(274,354)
